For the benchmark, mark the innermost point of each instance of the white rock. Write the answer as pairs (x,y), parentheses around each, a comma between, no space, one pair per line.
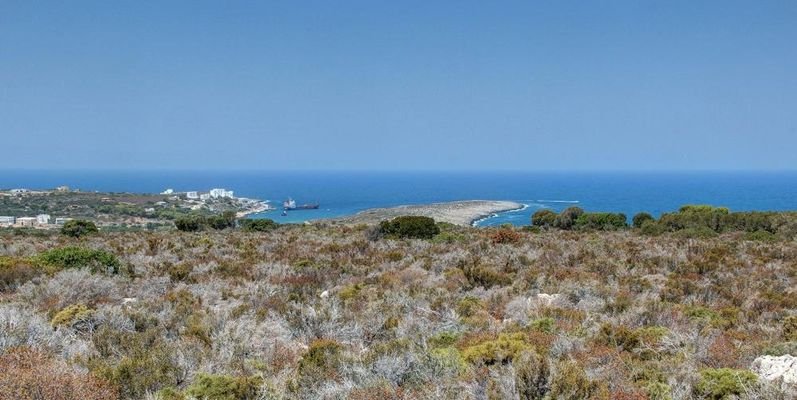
(325,294)
(128,300)
(544,299)
(773,368)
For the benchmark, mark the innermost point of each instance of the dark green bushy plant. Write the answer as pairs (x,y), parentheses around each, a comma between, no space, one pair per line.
(640,219)
(601,221)
(259,225)
(192,223)
(79,257)
(544,218)
(412,227)
(567,218)
(78,227)
(224,387)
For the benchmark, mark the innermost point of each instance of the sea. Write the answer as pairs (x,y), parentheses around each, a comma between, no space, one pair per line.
(341,193)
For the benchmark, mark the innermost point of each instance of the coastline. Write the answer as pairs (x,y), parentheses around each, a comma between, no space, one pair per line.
(463,213)
(475,222)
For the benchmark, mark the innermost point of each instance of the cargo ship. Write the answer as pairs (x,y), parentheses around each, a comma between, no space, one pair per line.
(290,204)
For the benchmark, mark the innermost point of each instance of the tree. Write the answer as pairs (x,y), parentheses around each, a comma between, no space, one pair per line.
(223,221)
(409,227)
(259,225)
(192,223)
(567,218)
(641,218)
(543,218)
(78,227)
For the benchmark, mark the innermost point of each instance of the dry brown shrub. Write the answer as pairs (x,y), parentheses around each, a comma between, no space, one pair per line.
(27,373)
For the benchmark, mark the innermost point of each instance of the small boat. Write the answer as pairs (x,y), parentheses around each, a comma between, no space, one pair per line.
(284,213)
(290,204)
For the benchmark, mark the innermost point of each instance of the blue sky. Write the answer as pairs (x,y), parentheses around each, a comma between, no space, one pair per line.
(527,85)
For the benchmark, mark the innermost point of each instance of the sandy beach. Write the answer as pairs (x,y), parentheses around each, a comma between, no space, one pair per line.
(455,212)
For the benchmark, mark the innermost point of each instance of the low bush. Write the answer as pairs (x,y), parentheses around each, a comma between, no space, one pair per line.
(601,221)
(504,236)
(223,221)
(501,350)
(78,228)
(411,227)
(191,223)
(567,218)
(79,257)
(543,218)
(15,272)
(30,374)
(72,315)
(641,218)
(224,387)
(724,383)
(790,328)
(571,383)
(258,225)
(532,375)
(320,360)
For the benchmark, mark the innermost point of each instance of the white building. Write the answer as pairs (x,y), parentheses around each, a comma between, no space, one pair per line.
(17,191)
(192,195)
(149,210)
(62,188)
(43,219)
(26,221)
(61,220)
(219,193)
(7,220)
(168,191)
(204,196)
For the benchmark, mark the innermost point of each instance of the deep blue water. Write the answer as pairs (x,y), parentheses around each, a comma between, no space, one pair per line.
(342,193)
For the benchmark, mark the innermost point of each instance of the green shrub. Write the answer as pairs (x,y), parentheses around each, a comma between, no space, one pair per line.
(761,236)
(543,218)
(443,339)
(482,275)
(602,221)
(78,227)
(790,327)
(653,228)
(695,233)
(223,221)
(259,225)
(15,272)
(79,257)
(179,272)
(571,383)
(640,219)
(169,394)
(567,218)
(448,358)
(412,227)
(191,223)
(349,292)
(321,359)
(136,362)
(724,383)
(501,350)
(71,315)
(545,324)
(224,387)
(531,375)
(468,306)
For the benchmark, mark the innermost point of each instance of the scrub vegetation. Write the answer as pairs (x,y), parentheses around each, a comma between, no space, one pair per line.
(579,306)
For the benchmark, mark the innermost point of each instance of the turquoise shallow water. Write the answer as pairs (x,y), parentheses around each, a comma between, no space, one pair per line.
(344,193)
